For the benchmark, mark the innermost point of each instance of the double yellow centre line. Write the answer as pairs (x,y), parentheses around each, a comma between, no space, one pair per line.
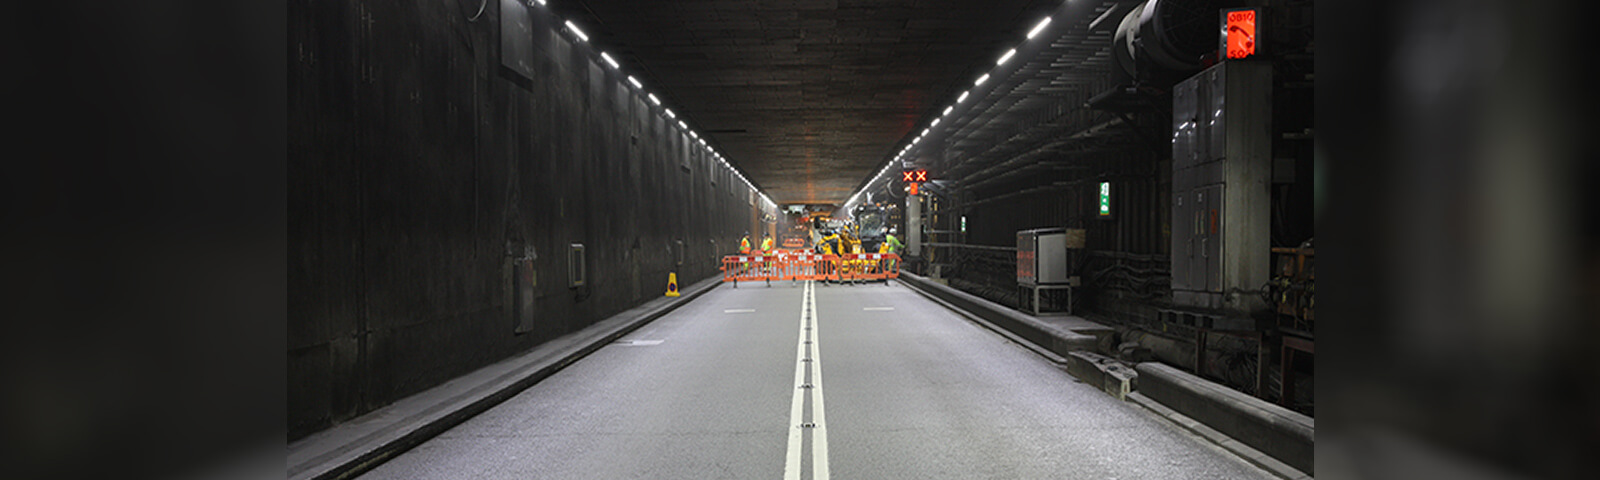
(807,380)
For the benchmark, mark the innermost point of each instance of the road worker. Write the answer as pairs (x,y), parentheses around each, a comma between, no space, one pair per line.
(828,245)
(767,244)
(891,244)
(744,249)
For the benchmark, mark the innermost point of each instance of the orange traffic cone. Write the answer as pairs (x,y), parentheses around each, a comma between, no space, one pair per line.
(672,284)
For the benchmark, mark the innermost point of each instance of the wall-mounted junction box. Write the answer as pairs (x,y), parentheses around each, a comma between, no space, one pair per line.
(577,270)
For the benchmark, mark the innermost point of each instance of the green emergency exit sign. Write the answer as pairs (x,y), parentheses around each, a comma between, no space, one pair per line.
(1105,199)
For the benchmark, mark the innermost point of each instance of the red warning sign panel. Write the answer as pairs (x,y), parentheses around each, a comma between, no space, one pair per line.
(1240,41)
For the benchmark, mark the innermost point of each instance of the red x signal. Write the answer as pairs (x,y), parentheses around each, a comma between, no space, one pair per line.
(908,175)
(922,175)
(914,175)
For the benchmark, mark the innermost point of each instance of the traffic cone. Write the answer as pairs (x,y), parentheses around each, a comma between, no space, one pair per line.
(672,284)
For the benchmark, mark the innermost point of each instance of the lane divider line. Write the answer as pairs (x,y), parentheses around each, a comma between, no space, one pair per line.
(819,434)
(791,464)
(808,364)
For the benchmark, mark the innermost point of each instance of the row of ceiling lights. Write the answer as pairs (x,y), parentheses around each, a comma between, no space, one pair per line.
(900,157)
(637,85)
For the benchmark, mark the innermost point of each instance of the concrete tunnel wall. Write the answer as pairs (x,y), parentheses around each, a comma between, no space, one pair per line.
(423,166)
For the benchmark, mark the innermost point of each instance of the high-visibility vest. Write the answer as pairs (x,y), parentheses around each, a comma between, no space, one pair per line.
(766,245)
(744,246)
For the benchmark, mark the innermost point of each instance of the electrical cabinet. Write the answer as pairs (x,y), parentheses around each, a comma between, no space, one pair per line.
(1042,256)
(1221,180)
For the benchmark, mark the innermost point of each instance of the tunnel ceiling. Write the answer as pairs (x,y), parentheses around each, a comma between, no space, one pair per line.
(808,97)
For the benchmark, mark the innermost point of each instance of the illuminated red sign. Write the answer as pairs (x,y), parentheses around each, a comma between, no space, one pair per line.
(1241,37)
(912,178)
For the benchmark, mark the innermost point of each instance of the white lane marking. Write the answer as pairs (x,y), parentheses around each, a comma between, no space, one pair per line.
(819,435)
(791,464)
(739,310)
(878,309)
(807,361)
(639,342)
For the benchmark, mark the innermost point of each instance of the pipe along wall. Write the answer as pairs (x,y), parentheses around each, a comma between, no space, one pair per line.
(433,148)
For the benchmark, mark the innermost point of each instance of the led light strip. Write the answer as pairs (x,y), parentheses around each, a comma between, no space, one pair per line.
(606,57)
(1039,27)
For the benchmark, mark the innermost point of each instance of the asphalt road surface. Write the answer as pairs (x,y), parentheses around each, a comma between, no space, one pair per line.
(891,385)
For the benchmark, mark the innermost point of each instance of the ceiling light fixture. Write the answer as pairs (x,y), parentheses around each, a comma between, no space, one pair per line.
(981,79)
(635,82)
(1005,57)
(608,59)
(576,31)
(654,100)
(1039,27)
(963,96)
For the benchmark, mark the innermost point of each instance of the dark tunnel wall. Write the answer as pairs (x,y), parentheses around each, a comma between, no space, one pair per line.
(1138,221)
(423,170)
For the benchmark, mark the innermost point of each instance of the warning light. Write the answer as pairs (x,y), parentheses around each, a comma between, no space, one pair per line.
(913,178)
(1239,40)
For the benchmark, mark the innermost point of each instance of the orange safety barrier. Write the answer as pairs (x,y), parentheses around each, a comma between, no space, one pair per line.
(869,266)
(748,268)
(812,266)
(797,266)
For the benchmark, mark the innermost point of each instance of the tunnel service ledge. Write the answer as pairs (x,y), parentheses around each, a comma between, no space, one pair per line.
(353,447)
(1053,341)
(1270,436)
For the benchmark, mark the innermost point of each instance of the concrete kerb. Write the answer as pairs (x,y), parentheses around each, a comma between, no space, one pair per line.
(1078,359)
(921,286)
(1104,372)
(1284,435)
(380,435)
(1260,459)
(1049,340)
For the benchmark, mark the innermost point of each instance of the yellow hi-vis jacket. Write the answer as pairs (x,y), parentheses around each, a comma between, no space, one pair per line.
(890,245)
(744,246)
(766,246)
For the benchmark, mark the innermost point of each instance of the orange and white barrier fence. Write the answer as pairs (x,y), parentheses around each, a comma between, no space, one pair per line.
(810,266)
